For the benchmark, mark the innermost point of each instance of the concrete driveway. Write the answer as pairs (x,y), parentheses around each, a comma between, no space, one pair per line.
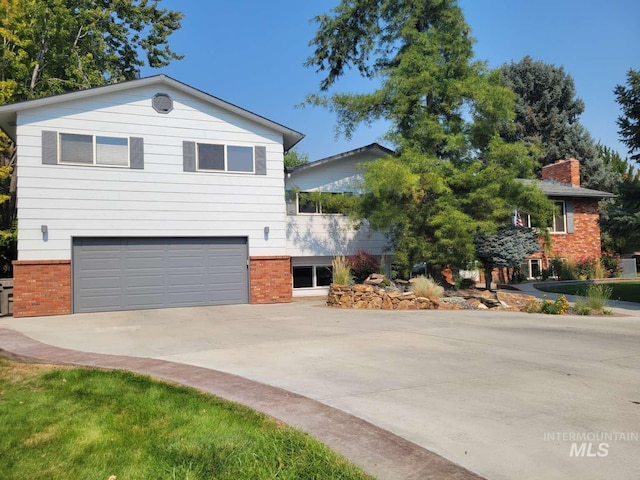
(506,395)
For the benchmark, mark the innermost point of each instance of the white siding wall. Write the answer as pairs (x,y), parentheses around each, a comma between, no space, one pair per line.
(328,235)
(162,199)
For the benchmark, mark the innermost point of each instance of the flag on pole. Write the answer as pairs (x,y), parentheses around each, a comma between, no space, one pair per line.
(519,220)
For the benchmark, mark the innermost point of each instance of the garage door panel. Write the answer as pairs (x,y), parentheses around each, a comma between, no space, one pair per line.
(134,273)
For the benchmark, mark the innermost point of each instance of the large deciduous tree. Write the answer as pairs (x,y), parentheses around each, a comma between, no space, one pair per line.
(453,173)
(55,46)
(547,120)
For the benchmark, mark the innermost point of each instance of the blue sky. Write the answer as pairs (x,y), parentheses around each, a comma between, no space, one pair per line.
(251,53)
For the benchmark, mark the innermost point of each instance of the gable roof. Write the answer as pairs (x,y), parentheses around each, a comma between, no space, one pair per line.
(375,148)
(552,189)
(9,112)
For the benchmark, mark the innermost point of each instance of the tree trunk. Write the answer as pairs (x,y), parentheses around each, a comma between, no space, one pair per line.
(487,277)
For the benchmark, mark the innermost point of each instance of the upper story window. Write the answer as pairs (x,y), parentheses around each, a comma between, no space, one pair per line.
(559,222)
(225,158)
(522,219)
(94,150)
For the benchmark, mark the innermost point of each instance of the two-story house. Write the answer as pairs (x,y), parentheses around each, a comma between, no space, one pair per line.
(147,194)
(575,231)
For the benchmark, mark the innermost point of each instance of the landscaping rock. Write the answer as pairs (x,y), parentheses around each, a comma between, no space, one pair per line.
(517,300)
(374,298)
(374,279)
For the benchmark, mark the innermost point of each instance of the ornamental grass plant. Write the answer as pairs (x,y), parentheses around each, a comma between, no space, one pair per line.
(595,300)
(341,271)
(426,287)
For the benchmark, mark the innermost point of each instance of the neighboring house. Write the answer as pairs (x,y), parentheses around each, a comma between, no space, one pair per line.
(147,194)
(575,231)
(315,233)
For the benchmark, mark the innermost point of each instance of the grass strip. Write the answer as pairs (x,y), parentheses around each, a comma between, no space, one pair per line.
(60,423)
(625,291)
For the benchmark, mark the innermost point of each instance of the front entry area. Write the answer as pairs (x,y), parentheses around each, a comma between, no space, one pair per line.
(111,274)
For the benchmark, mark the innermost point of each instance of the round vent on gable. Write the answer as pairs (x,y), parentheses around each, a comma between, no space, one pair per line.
(162,103)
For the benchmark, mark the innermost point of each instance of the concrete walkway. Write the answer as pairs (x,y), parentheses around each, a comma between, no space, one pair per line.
(500,394)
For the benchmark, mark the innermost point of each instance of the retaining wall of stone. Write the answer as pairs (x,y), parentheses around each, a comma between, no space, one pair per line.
(375,298)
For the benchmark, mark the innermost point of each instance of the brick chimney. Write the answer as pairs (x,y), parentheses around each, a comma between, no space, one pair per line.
(563,171)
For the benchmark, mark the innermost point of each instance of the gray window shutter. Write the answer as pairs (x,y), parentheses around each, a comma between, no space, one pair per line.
(49,147)
(136,153)
(189,156)
(569,207)
(261,160)
(292,204)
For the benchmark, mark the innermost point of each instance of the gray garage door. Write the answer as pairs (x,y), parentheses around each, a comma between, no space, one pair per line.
(133,273)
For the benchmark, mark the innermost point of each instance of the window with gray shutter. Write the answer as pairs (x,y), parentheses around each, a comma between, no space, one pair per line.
(76,148)
(261,160)
(112,151)
(98,150)
(210,157)
(239,159)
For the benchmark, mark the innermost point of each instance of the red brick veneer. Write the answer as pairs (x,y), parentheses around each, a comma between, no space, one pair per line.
(270,279)
(563,171)
(585,242)
(41,287)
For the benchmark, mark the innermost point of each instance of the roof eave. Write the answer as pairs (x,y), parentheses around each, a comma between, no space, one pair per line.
(324,161)
(290,137)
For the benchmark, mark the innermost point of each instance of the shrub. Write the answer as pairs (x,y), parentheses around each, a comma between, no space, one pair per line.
(564,269)
(341,271)
(462,283)
(611,264)
(595,299)
(426,287)
(587,268)
(559,306)
(362,265)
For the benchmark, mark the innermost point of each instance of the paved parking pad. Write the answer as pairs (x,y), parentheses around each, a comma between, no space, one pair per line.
(506,395)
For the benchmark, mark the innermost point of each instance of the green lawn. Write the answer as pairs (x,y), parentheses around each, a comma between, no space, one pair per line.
(90,424)
(627,291)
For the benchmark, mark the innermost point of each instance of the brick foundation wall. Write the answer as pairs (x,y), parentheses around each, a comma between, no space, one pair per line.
(270,279)
(41,287)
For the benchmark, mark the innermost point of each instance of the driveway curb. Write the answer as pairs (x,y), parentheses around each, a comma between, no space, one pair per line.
(378,451)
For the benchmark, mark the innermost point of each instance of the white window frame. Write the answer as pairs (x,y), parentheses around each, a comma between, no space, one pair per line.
(94,150)
(528,262)
(564,218)
(314,275)
(226,159)
(318,204)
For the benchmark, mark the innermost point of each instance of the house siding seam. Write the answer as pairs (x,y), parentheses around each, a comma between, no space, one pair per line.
(41,287)
(270,279)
